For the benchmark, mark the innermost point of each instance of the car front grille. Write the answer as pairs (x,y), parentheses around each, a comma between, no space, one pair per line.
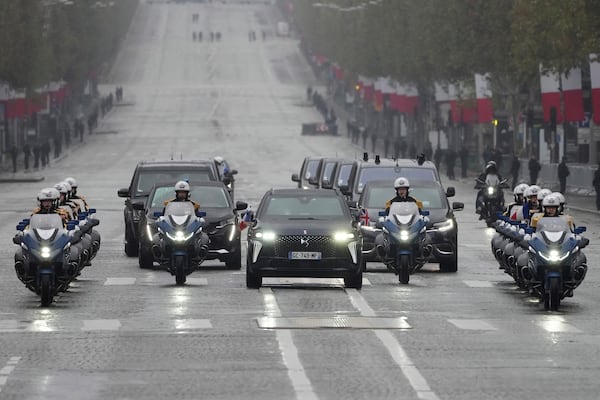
(318,243)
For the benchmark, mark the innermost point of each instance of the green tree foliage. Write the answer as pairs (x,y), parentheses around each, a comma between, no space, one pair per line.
(44,40)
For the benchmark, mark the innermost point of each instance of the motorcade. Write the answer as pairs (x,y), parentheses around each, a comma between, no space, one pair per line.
(304,233)
(310,171)
(221,221)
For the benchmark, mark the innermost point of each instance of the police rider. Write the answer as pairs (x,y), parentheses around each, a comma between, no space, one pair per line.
(490,170)
(401,186)
(74,196)
(513,208)
(182,194)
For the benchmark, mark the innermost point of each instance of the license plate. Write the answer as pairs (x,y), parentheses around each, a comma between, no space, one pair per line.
(304,255)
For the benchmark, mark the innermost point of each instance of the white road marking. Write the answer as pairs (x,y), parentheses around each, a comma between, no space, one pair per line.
(408,368)
(309,281)
(289,353)
(197,281)
(39,326)
(479,284)
(187,324)
(101,325)
(7,370)
(119,281)
(472,324)
(9,325)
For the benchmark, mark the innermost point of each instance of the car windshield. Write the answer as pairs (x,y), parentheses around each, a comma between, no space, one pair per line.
(46,221)
(149,177)
(390,173)
(304,207)
(429,196)
(180,208)
(344,175)
(206,196)
(328,172)
(311,169)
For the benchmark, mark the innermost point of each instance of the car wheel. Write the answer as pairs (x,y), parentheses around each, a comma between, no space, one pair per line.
(354,282)
(449,266)
(131,245)
(363,265)
(145,258)
(234,260)
(253,281)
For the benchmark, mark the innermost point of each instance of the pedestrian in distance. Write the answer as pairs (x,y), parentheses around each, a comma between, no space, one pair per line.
(563,173)
(464,160)
(450,161)
(365,135)
(596,184)
(14,154)
(437,157)
(37,152)
(515,166)
(428,152)
(26,155)
(534,170)
(46,152)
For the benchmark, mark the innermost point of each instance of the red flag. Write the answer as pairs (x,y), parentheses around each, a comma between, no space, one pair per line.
(550,85)
(572,95)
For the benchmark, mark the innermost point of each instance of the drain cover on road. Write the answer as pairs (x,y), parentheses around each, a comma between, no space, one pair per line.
(337,322)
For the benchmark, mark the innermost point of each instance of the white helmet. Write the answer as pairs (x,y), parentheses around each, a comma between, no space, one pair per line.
(531,191)
(63,187)
(48,194)
(219,159)
(543,193)
(182,186)
(520,188)
(401,182)
(551,201)
(71,181)
(559,195)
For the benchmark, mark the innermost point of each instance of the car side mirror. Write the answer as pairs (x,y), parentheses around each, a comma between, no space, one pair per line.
(233,172)
(450,192)
(295,178)
(351,204)
(123,192)
(345,189)
(457,206)
(241,205)
(227,180)
(138,206)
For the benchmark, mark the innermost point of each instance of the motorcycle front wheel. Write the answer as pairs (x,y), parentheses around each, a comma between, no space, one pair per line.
(180,277)
(403,263)
(552,295)
(46,291)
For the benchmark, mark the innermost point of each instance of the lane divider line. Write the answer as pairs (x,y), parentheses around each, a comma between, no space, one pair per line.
(8,369)
(289,352)
(416,380)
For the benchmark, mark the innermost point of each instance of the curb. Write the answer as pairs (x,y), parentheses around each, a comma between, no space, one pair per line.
(585,210)
(22,180)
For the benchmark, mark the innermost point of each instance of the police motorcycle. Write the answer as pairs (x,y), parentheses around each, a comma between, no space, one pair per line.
(556,264)
(45,265)
(404,233)
(93,235)
(492,197)
(182,245)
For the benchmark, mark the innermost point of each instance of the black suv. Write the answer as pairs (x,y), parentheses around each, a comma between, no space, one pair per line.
(221,221)
(442,228)
(145,176)
(304,233)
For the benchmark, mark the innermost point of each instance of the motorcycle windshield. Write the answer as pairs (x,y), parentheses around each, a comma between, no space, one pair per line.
(403,213)
(46,221)
(179,212)
(553,230)
(492,180)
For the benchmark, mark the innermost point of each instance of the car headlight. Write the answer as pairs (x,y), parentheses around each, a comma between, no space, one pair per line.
(444,226)
(266,236)
(45,252)
(490,190)
(149,232)
(404,235)
(343,236)
(180,236)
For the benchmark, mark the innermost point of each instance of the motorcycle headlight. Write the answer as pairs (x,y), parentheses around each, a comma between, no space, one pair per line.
(45,252)
(444,226)
(343,236)
(490,190)
(554,255)
(180,236)
(404,235)
(266,236)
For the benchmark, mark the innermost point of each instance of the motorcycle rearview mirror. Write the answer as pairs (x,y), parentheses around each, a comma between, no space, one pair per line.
(579,230)
(381,213)
(424,213)
(529,230)
(523,226)
(70,227)
(157,214)
(81,217)
(457,206)
(241,205)
(200,214)
(92,211)
(450,192)
(25,221)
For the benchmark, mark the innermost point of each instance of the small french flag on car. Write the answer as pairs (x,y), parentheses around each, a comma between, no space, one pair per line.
(246,220)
